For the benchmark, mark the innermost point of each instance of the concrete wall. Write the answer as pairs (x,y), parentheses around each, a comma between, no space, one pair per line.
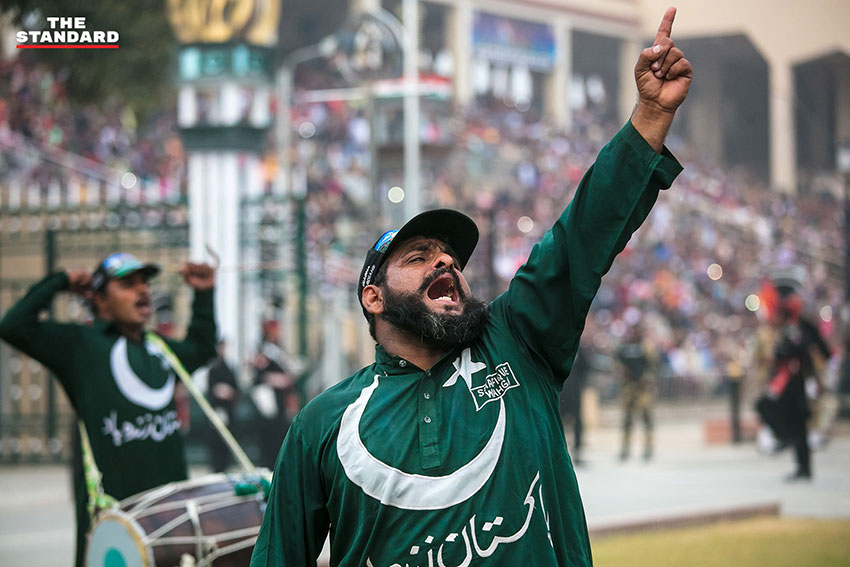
(785,34)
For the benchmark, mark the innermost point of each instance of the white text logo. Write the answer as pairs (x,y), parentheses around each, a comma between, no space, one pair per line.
(66,33)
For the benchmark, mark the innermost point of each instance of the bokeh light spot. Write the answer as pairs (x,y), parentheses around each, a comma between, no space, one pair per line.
(306,129)
(715,272)
(395,194)
(753,302)
(128,180)
(525,224)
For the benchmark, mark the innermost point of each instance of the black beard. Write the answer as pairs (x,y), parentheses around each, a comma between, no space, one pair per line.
(408,312)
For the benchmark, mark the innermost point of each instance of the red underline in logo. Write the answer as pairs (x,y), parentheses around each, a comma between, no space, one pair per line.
(72,46)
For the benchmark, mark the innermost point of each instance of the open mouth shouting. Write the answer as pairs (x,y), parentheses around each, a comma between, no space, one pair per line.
(143,305)
(445,291)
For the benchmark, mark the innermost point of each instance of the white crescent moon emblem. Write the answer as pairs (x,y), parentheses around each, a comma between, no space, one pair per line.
(393,487)
(133,388)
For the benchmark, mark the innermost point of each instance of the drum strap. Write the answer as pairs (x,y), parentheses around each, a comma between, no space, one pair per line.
(98,499)
(216,421)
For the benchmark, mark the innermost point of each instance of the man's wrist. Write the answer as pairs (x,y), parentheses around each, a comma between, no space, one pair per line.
(652,122)
(654,111)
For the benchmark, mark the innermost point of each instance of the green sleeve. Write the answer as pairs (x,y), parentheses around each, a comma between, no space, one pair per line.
(198,347)
(48,342)
(296,521)
(548,299)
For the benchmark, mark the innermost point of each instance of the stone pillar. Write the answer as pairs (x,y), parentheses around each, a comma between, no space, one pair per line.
(225,84)
(783,158)
(630,49)
(842,103)
(364,5)
(460,43)
(703,111)
(558,88)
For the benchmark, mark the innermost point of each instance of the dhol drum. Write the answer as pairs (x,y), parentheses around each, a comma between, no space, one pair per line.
(212,521)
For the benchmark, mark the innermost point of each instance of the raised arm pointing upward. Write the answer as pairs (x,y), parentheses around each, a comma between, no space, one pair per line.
(663,77)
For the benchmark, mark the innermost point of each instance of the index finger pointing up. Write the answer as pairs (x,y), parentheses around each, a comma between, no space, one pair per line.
(666,24)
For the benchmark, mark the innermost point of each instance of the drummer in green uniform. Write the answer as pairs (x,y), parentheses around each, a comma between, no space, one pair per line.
(116,377)
(449,449)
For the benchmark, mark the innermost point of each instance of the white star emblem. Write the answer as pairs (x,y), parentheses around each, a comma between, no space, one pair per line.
(464,368)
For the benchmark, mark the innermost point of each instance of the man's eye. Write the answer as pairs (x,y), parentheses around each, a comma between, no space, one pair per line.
(416,259)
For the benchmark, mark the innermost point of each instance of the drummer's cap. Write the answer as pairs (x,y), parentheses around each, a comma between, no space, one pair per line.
(120,265)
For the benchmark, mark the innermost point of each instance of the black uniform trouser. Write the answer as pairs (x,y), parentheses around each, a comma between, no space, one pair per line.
(787,417)
(219,452)
(799,439)
(735,408)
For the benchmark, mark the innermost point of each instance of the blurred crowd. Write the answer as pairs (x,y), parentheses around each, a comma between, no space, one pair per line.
(89,140)
(689,280)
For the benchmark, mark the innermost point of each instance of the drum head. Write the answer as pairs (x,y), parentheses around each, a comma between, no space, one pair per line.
(116,540)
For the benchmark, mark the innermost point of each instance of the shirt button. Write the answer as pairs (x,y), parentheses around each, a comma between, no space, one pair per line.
(402,363)
(427,396)
(427,419)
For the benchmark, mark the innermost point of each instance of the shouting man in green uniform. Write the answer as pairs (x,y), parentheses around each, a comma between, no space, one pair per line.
(449,449)
(117,379)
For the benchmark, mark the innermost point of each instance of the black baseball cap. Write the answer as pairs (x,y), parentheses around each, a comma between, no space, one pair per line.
(452,227)
(120,265)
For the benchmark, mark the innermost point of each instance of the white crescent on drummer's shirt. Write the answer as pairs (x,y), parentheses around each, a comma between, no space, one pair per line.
(133,388)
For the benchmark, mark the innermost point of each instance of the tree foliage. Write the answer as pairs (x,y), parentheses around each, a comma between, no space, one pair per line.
(140,72)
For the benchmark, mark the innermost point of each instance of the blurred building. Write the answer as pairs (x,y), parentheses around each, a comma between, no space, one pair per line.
(776,105)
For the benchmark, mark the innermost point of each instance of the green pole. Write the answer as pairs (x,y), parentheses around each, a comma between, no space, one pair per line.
(50,266)
(301,263)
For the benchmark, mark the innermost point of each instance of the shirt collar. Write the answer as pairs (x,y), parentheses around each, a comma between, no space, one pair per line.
(101,325)
(104,326)
(392,364)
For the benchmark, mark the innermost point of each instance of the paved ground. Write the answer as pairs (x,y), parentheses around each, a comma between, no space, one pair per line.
(686,478)
(689,477)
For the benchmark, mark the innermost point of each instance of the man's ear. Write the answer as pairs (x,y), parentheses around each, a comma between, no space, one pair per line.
(372,299)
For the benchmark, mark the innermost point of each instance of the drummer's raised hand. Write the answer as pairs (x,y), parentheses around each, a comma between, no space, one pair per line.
(79,282)
(199,276)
